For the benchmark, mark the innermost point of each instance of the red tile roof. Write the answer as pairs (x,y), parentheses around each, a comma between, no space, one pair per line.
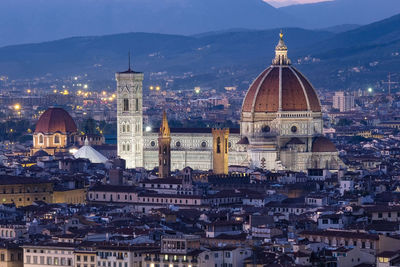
(297,93)
(55,120)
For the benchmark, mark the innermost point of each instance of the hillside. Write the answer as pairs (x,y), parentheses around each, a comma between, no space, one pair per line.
(65,18)
(103,55)
(57,19)
(356,58)
(369,52)
(330,13)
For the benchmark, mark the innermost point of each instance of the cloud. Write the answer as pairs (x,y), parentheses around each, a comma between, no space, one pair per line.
(281,3)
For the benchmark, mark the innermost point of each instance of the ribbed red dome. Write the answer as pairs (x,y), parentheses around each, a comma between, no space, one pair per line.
(297,94)
(55,120)
(323,144)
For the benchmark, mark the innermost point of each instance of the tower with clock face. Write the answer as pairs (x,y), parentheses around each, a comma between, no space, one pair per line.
(130,117)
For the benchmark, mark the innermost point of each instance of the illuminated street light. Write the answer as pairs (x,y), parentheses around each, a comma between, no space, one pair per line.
(370,90)
(17,106)
(148,129)
(151,87)
(28,91)
(73,150)
(158,88)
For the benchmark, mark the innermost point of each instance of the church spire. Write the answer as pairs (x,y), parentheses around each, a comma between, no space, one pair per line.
(281,50)
(164,148)
(164,129)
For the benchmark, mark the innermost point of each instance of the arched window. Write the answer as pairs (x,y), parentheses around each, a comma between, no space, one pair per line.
(56,139)
(128,147)
(128,128)
(123,147)
(123,128)
(218,145)
(226,146)
(266,129)
(40,139)
(126,104)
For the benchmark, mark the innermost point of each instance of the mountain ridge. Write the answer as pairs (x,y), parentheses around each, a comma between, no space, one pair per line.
(215,59)
(53,20)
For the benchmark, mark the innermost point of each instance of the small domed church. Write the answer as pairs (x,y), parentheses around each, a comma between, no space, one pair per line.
(55,132)
(280,128)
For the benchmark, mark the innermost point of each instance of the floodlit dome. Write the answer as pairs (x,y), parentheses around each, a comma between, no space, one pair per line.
(323,144)
(281,87)
(55,120)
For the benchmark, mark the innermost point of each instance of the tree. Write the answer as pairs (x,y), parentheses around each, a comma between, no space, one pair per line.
(89,126)
(344,122)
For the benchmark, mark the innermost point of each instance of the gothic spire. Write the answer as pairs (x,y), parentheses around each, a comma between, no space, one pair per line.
(164,129)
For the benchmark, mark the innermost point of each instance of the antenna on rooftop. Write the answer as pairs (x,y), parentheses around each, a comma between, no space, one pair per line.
(389,83)
(129,60)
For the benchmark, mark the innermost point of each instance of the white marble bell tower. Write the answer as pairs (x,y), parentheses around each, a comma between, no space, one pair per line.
(130,117)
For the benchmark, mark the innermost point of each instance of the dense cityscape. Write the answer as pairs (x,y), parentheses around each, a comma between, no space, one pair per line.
(141,172)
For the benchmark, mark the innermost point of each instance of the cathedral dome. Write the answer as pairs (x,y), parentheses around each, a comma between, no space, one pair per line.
(55,120)
(281,87)
(323,144)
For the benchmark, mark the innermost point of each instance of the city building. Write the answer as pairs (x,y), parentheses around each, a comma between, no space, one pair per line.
(49,254)
(23,191)
(10,255)
(343,102)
